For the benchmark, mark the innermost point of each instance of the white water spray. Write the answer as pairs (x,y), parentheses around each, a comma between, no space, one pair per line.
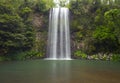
(59,34)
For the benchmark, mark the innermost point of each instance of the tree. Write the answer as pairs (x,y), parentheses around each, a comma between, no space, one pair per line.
(11,33)
(112,18)
(16,33)
(43,6)
(107,35)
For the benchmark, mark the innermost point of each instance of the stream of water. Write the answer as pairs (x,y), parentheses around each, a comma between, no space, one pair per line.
(59,34)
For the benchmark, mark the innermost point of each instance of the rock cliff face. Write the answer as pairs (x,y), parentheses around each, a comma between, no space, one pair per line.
(40,23)
(37,20)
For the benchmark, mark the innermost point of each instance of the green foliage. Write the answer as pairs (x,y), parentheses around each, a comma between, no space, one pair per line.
(107,34)
(25,12)
(95,26)
(80,54)
(116,57)
(16,33)
(112,18)
(2,58)
(34,54)
(5,9)
(24,55)
(102,33)
(113,15)
(95,57)
(78,35)
(43,6)
(11,31)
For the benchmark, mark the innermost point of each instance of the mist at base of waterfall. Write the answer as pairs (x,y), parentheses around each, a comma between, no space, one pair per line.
(58,59)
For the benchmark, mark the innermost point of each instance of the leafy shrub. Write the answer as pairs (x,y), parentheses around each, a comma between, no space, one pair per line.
(105,57)
(115,57)
(25,55)
(95,57)
(80,54)
(34,54)
(2,58)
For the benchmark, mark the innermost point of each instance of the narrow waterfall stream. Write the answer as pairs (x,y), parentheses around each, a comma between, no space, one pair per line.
(59,34)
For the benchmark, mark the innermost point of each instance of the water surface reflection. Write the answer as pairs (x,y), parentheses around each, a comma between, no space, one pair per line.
(48,71)
(60,72)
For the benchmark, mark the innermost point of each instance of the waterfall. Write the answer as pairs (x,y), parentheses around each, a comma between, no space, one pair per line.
(59,34)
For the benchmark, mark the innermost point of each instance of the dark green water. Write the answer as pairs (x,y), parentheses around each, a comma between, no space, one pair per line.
(73,71)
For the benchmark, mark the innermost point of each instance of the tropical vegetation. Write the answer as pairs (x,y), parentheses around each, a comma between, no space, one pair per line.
(95,29)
